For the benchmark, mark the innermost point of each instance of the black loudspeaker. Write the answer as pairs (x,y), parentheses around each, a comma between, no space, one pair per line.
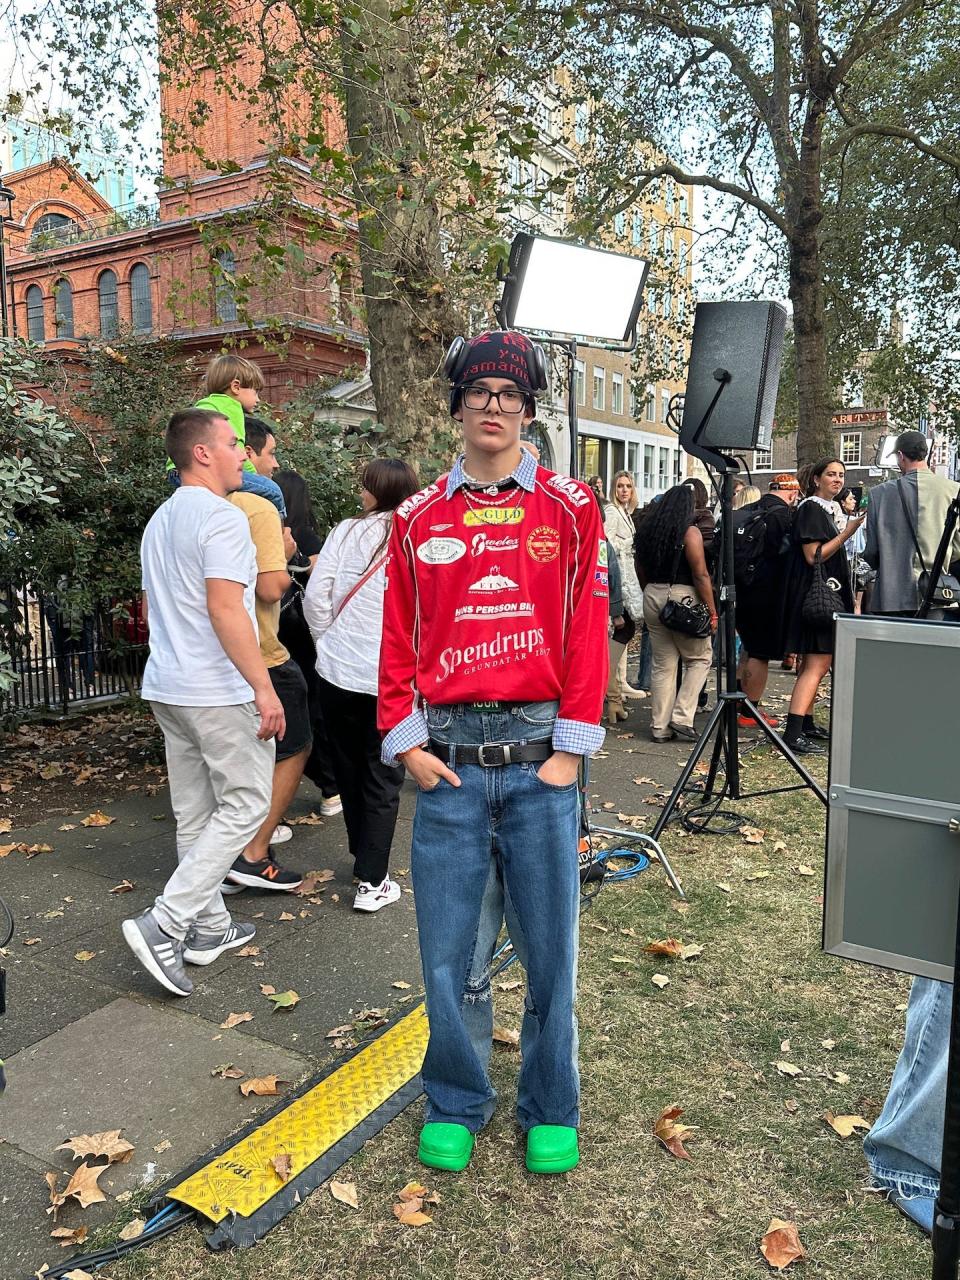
(744,340)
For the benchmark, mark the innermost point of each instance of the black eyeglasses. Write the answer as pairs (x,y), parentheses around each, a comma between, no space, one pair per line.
(508,401)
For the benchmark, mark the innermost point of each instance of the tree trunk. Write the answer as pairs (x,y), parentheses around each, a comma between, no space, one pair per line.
(410,319)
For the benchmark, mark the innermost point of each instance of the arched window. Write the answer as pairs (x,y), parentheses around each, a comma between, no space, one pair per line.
(141,301)
(226,298)
(56,228)
(63,308)
(35,327)
(109,310)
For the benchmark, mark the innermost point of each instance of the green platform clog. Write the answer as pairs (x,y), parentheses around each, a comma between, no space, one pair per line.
(445,1146)
(552,1148)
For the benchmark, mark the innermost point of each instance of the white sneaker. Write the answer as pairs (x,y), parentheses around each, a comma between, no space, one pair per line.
(371,897)
(331,806)
(281,834)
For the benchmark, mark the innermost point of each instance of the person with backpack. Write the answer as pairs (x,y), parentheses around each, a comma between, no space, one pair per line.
(761,538)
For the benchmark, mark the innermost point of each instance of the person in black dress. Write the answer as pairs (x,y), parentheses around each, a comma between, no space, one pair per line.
(295,634)
(820,522)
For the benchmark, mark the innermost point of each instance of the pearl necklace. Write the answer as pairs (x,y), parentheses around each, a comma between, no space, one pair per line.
(492,488)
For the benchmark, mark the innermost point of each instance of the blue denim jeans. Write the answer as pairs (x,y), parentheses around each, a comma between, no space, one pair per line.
(904,1147)
(646,661)
(503,841)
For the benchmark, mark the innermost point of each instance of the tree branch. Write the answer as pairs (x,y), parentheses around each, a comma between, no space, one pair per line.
(668,170)
(867,128)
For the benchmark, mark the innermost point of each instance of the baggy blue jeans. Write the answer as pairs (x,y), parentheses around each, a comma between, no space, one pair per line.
(501,841)
(904,1147)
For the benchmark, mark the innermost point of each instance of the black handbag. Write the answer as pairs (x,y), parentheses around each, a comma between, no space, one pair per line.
(946,594)
(688,616)
(822,600)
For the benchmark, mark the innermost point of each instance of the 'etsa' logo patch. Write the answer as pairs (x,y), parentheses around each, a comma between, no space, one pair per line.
(441,550)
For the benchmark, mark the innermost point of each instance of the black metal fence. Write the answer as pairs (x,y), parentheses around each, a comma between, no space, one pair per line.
(60,656)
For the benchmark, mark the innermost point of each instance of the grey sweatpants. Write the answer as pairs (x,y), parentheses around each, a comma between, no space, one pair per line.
(221,776)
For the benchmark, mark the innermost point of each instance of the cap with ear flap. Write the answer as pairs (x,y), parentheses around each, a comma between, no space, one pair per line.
(498,353)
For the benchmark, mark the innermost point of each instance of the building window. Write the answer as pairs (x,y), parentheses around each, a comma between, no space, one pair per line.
(616,394)
(141,301)
(582,126)
(763,460)
(620,224)
(633,461)
(664,405)
(850,448)
(636,227)
(581,379)
(63,308)
(109,310)
(36,331)
(651,404)
(225,298)
(52,228)
(648,467)
(663,478)
(634,401)
(599,387)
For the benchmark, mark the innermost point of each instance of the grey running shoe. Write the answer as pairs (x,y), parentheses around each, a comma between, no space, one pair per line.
(204,948)
(227,888)
(160,955)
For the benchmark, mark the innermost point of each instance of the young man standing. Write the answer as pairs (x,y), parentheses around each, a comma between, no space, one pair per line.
(493,669)
(209,689)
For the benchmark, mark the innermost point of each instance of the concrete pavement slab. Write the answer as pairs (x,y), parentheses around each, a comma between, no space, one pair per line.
(41,999)
(129,1065)
(25,1242)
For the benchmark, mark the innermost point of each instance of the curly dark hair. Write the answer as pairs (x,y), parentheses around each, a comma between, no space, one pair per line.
(661,531)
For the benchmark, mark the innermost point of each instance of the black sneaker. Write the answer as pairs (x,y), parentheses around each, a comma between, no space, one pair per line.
(263,875)
(817,734)
(804,746)
(681,731)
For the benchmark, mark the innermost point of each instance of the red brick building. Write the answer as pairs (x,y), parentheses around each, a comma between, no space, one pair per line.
(190,266)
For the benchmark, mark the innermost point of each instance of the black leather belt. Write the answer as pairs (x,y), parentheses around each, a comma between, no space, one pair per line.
(490,755)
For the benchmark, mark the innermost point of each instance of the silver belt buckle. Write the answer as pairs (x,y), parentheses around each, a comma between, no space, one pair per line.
(503,758)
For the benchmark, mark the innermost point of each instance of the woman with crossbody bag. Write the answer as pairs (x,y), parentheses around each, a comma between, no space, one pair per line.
(343,607)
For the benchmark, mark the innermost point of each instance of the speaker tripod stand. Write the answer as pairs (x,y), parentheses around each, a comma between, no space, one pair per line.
(731,701)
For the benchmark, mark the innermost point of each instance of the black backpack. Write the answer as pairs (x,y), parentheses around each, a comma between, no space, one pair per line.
(749,544)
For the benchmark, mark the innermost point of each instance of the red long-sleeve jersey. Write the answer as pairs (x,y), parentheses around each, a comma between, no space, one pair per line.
(496,599)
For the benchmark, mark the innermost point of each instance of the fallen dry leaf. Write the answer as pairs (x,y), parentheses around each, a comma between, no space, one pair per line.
(779,846)
(401,986)
(287,915)
(96,819)
(759,875)
(163,1146)
(724,888)
(691,950)
(670,947)
(503,1035)
(248,951)
(116,1149)
(337,1032)
(125,886)
(781,1244)
(804,870)
(68,826)
(845,1125)
(412,1191)
(311,820)
(788,1069)
(133,1229)
(283,1166)
(69,1235)
(84,956)
(312,881)
(33,849)
(31,942)
(509,986)
(671,1134)
(411,1216)
(82,1187)
(228,1072)
(6,849)
(284,999)
(267,990)
(261,1086)
(784,1046)
(346,1193)
(76,1274)
(234,1020)
(660,980)
(753,835)
(838,1077)
(5,826)
(791,1105)
(828,1044)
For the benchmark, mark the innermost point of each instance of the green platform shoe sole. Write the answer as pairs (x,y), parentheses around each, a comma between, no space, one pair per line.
(445,1146)
(552,1148)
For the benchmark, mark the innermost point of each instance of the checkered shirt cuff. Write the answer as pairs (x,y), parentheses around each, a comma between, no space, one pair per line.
(577,737)
(412,732)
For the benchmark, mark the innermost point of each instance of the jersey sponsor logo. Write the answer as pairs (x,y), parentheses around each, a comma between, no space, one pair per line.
(602,552)
(578,496)
(416,500)
(514,646)
(440,528)
(491,612)
(493,515)
(494,581)
(441,550)
(481,542)
(543,544)
(600,577)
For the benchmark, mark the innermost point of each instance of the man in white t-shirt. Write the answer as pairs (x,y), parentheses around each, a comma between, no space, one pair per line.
(210,692)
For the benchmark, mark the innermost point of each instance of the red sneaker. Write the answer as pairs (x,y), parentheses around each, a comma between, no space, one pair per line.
(748,722)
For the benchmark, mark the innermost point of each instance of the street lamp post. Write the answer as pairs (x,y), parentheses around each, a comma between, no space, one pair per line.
(6,215)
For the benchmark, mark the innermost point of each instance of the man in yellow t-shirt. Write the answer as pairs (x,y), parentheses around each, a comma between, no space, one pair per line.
(274,545)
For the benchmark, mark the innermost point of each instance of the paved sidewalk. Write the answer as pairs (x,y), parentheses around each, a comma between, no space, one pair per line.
(93,1044)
